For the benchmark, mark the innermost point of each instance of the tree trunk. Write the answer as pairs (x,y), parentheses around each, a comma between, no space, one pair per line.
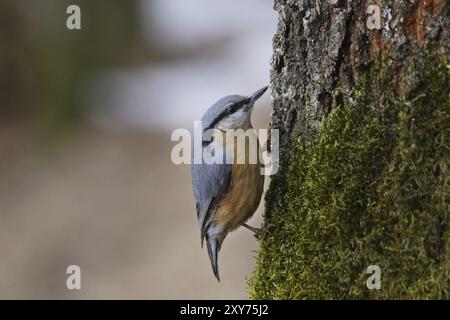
(364,118)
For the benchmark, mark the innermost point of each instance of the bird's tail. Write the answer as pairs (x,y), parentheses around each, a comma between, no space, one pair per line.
(213,251)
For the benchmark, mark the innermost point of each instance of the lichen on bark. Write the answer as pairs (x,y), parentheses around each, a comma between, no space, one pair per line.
(364,177)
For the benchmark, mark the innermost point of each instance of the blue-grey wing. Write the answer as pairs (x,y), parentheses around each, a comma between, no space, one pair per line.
(211,183)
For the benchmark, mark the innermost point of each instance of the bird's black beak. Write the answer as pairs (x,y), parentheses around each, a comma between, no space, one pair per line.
(257,95)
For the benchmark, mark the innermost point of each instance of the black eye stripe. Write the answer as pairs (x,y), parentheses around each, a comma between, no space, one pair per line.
(230,110)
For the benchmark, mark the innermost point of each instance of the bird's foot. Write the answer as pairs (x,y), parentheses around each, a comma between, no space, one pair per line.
(259,233)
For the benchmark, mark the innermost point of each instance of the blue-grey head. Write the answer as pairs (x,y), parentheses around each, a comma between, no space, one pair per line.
(231,112)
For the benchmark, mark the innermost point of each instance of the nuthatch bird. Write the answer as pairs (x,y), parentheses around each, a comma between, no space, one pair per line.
(226,194)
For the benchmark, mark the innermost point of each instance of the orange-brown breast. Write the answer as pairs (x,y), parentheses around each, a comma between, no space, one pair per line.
(243,199)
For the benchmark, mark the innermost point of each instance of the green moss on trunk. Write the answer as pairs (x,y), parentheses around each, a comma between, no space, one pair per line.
(371,189)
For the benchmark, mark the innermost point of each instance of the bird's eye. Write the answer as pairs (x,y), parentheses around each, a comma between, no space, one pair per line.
(206,143)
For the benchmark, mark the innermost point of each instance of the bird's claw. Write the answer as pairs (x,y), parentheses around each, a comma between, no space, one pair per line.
(260,233)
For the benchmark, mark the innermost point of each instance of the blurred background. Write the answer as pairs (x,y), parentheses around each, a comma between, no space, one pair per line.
(85,121)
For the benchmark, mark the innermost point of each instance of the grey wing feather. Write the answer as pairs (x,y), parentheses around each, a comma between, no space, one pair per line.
(210,183)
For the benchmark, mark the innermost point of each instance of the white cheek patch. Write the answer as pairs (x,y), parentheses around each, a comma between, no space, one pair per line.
(233,121)
(227,123)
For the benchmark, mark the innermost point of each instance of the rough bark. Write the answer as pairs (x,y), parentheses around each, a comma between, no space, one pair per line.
(364,138)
